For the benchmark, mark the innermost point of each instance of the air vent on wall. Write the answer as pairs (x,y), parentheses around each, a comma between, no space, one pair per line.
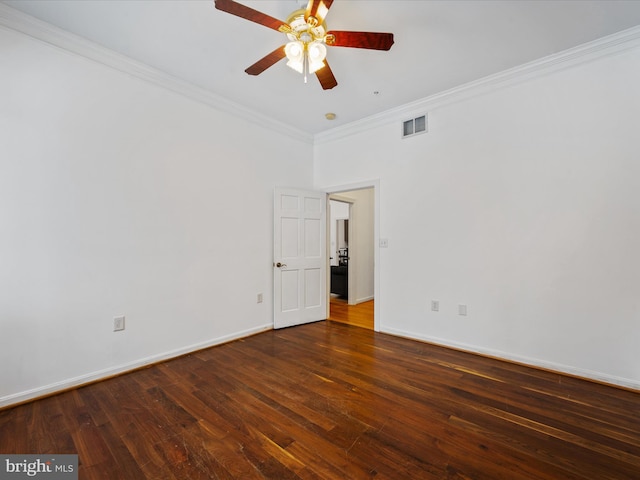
(414,126)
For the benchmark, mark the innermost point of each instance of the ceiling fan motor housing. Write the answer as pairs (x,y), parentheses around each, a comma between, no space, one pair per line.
(304,30)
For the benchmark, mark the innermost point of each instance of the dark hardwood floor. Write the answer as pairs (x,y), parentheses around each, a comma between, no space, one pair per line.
(328,400)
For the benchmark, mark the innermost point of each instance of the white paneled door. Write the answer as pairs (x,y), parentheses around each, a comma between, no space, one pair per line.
(299,257)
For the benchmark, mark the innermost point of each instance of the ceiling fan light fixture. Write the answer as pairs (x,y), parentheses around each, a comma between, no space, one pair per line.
(307,36)
(316,53)
(295,55)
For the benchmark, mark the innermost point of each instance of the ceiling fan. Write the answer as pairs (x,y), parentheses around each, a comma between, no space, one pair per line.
(308,36)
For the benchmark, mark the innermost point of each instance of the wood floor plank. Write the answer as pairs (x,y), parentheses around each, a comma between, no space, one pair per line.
(359,315)
(330,400)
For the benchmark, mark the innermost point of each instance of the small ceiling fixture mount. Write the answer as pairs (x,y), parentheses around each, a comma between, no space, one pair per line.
(308,37)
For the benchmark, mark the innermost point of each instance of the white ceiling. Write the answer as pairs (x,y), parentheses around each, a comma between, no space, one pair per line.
(438,45)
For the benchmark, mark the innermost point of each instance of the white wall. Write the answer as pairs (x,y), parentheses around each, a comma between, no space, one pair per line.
(118,197)
(523,204)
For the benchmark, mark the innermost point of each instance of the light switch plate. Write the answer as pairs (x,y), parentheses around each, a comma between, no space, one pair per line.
(118,324)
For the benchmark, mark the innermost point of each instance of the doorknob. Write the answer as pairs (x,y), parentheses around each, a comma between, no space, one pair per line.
(280,265)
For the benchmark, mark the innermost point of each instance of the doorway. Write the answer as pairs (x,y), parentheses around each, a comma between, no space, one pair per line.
(351,236)
(339,226)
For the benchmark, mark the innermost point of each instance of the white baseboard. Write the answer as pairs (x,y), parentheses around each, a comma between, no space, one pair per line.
(556,367)
(358,301)
(364,299)
(53,388)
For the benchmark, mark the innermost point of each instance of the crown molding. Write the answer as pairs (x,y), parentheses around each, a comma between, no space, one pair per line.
(605,46)
(18,21)
(57,37)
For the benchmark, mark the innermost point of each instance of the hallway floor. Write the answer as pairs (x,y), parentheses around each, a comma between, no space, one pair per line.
(360,315)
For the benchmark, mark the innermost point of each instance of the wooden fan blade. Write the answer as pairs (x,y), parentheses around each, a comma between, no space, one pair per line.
(242,11)
(266,61)
(318,9)
(325,75)
(369,40)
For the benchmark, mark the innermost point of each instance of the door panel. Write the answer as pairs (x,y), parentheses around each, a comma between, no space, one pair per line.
(290,288)
(312,288)
(289,238)
(312,244)
(299,257)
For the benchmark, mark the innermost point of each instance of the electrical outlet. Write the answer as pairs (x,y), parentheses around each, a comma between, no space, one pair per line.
(435,306)
(118,324)
(462,310)
(259,298)
(384,243)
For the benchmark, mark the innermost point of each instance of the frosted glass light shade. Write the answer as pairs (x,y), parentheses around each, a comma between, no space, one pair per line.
(295,54)
(316,53)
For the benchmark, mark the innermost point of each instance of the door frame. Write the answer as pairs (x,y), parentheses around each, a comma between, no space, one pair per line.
(337,189)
